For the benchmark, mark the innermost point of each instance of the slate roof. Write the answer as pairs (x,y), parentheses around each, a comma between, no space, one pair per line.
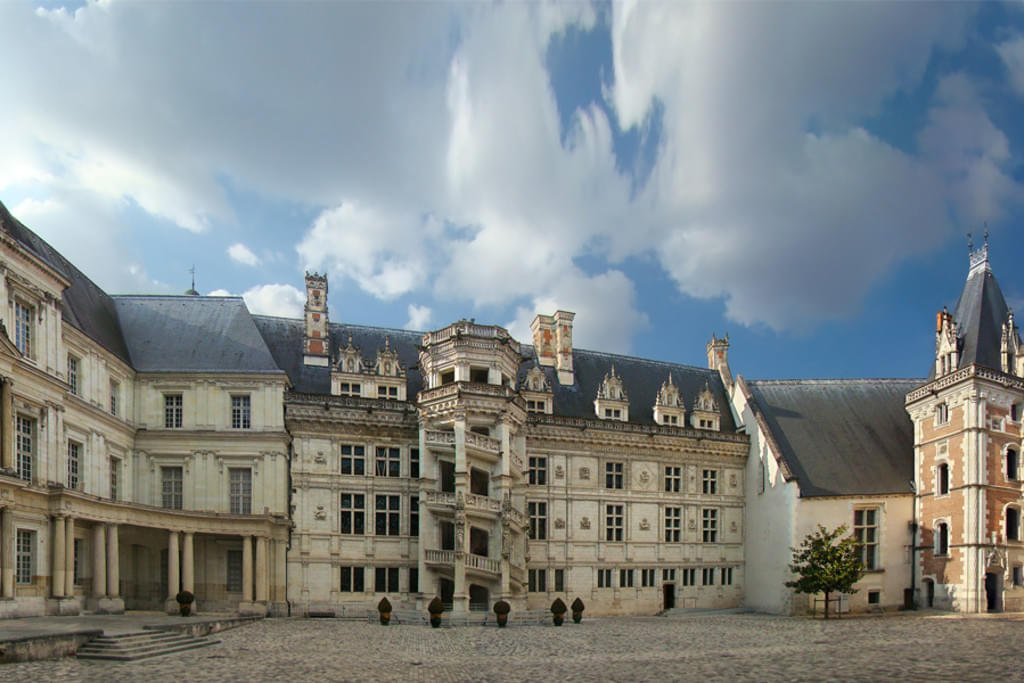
(84,304)
(841,436)
(192,334)
(640,378)
(979,313)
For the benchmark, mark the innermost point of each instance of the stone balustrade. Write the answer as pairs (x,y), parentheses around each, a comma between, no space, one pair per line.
(484,443)
(446,557)
(485,503)
(440,498)
(485,564)
(438,438)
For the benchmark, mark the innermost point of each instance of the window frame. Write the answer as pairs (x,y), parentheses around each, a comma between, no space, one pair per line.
(614,522)
(387,461)
(673,479)
(673,519)
(356,579)
(354,458)
(170,498)
(709,482)
(173,410)
(354,512)
(537,470)
(24,321)
(74,375)
(25,556)
(388,517)
(241,411)
(615,475)
(870,550)
(240,492)
(709,525)
(24,446)
(74,462)
(537,512)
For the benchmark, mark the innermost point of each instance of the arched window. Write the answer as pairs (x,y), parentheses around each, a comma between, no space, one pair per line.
(1012,523)
(941,538)
(1011,464)
(942,479)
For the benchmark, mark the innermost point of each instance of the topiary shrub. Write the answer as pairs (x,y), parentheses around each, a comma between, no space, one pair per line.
(435,608)
(384,607)
(501,610)
(577,611)
(185,600)
(558,611)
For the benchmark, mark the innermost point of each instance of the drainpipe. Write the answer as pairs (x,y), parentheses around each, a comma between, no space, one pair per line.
(913,551)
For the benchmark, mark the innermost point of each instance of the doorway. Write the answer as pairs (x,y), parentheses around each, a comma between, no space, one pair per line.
(669,595)
(447,587)
(994,591)
(929,589)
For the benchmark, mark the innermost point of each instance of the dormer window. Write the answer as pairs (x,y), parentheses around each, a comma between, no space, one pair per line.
(706,413)
(612,402)
(668,406)
(536,390)
(350,389)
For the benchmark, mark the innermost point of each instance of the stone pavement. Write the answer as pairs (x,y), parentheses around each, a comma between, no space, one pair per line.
(700,648)
(110,624)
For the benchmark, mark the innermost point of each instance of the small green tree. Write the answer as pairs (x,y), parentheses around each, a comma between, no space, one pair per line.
(826,563)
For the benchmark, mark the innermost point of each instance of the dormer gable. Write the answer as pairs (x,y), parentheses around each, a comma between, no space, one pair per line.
(668,405)
(347,374)
(390,375)
(536,391)
(947,351)
(1010,352)
(706,414)
(612,402)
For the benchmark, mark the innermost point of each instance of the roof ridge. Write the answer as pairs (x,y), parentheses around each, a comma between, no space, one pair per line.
(833,380)
(189,297)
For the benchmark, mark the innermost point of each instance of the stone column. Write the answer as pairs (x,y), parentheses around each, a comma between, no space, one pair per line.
(113,560)
(261,569)
(69,557)
(7,551)
(59,567)
(6,425)
(173,565)
(187,564)
(246,568)
(99,561)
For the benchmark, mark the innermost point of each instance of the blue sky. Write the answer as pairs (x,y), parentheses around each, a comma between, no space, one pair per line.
(801,176)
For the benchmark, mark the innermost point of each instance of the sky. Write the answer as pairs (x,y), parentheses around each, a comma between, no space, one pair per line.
(800,176)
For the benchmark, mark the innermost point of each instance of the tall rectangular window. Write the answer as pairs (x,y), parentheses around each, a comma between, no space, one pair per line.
(115,397)
(172,411)
(537,581)
(613,523)
(353,460)
(668,575)
(23,337)
(626,578)
(115,478)
(673,524)
(726,576)
(389,461)
(690,576)
(709,520)
(386,580)
(538,513)
(77,570)
(613,475)
(234,578)
(559,580)
(171,486)
(388,516)
(26,555)
(673,479)
(537,474)
(414,516)
(353,513)
(241,412)
(25,430)
(604,578)
(240,490)
(73,377)
(865,530)
(414,463)
(74,464)
(710,481)
(352,580)
(414,580)
(942,475)
(707,576)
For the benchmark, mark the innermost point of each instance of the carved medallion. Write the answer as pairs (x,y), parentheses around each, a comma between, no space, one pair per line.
(644,524)
(585,522)
(584,473)
(559,472)
(644,477)
(320,513)
(559,523)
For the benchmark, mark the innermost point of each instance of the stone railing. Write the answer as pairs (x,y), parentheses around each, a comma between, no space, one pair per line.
(483,442)
(469,328)
(438,438)
(485,503)
(439,556)
(440,498)
(971,370)
(485,564)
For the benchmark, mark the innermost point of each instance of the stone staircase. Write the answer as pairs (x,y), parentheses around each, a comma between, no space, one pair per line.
(128,647)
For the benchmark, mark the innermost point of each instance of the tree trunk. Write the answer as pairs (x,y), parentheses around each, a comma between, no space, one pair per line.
(826,604)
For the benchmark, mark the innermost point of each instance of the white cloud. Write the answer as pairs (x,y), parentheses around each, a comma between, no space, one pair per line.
(419,317)
(1012,53)
(276,299)
(240,253)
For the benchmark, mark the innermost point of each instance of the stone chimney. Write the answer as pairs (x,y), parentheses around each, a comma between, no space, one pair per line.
(718,358)
(543,328)
(563,342)
(316,344)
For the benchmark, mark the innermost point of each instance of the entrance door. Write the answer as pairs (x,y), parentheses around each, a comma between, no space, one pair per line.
(669,590)
(930,590)
(994,591)
(447,592)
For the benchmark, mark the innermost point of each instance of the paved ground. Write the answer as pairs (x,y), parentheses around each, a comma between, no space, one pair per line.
(701,648)
(109,624)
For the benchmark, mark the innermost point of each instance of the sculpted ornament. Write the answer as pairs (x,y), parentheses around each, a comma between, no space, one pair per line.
(319,458)
(732,480)
(506,543)
(559,472)
(693,523)
(733,527)
(645,525)
(559,523)
(644,477)
(584,473)
(585,522)
(320,513)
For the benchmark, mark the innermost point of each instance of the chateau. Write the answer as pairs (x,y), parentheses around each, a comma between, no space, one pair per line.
(151,444)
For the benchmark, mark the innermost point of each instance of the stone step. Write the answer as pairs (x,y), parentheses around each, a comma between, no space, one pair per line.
(141,645)
(133,656)
(125,638)
(137,646)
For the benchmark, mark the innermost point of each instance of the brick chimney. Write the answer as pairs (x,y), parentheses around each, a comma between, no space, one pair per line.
(718,358)
(316,344)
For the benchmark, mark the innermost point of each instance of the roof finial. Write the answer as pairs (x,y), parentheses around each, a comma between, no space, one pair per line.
(970,243)
(192,290)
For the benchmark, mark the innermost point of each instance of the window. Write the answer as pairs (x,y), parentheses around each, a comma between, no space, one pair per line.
(74,464)
(389,462)
(941,539)
(414,516)
(25,429)
(709,519)
(668,574)
(386,580)
(26,555)
(115,478)
(23,338)
(172,411)
(690,576)
(353,460)
(604,578)
(234,578)
(1012,524)
(538,513)
(865,530)
(673,479)
(478,375)
(350,389)
(414,580)
(647,578)
(1011,464)
(1018,575)
(1015,412)
(171,485)
(613,523)
(726,576)
(352,513)
(77,570)
(535,406)
(942,413)
(115,397)
(537,474)
(73,384)
(388,516)
(626,578)
(352,580)
(559,580)
(448,377)
(241,412)
(613,413)
(414,463)
(673,524)
(942,475)
(240,490)
(613,475)
(874,597)
(710,481)
(537,581)
(707,576)
(387,392)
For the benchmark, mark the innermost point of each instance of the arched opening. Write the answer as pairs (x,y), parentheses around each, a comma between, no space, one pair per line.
(1012,464)
(941,538)
(929,591)
(479,598)
(942,476)
(1012,523)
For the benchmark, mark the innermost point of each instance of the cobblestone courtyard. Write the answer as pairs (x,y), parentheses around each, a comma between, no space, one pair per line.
(700,648)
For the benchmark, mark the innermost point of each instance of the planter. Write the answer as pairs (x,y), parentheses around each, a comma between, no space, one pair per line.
(502,620)
(558,619)
(385,618)
(435,620)
(186,610)
(577,617)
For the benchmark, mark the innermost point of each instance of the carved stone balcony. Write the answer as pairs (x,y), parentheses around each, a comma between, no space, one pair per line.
(443,558)
(483,565)
(439,439)
(483,444)
(440,499)
(483,503)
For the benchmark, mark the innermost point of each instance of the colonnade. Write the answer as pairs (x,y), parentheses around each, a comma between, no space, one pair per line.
(181,554)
